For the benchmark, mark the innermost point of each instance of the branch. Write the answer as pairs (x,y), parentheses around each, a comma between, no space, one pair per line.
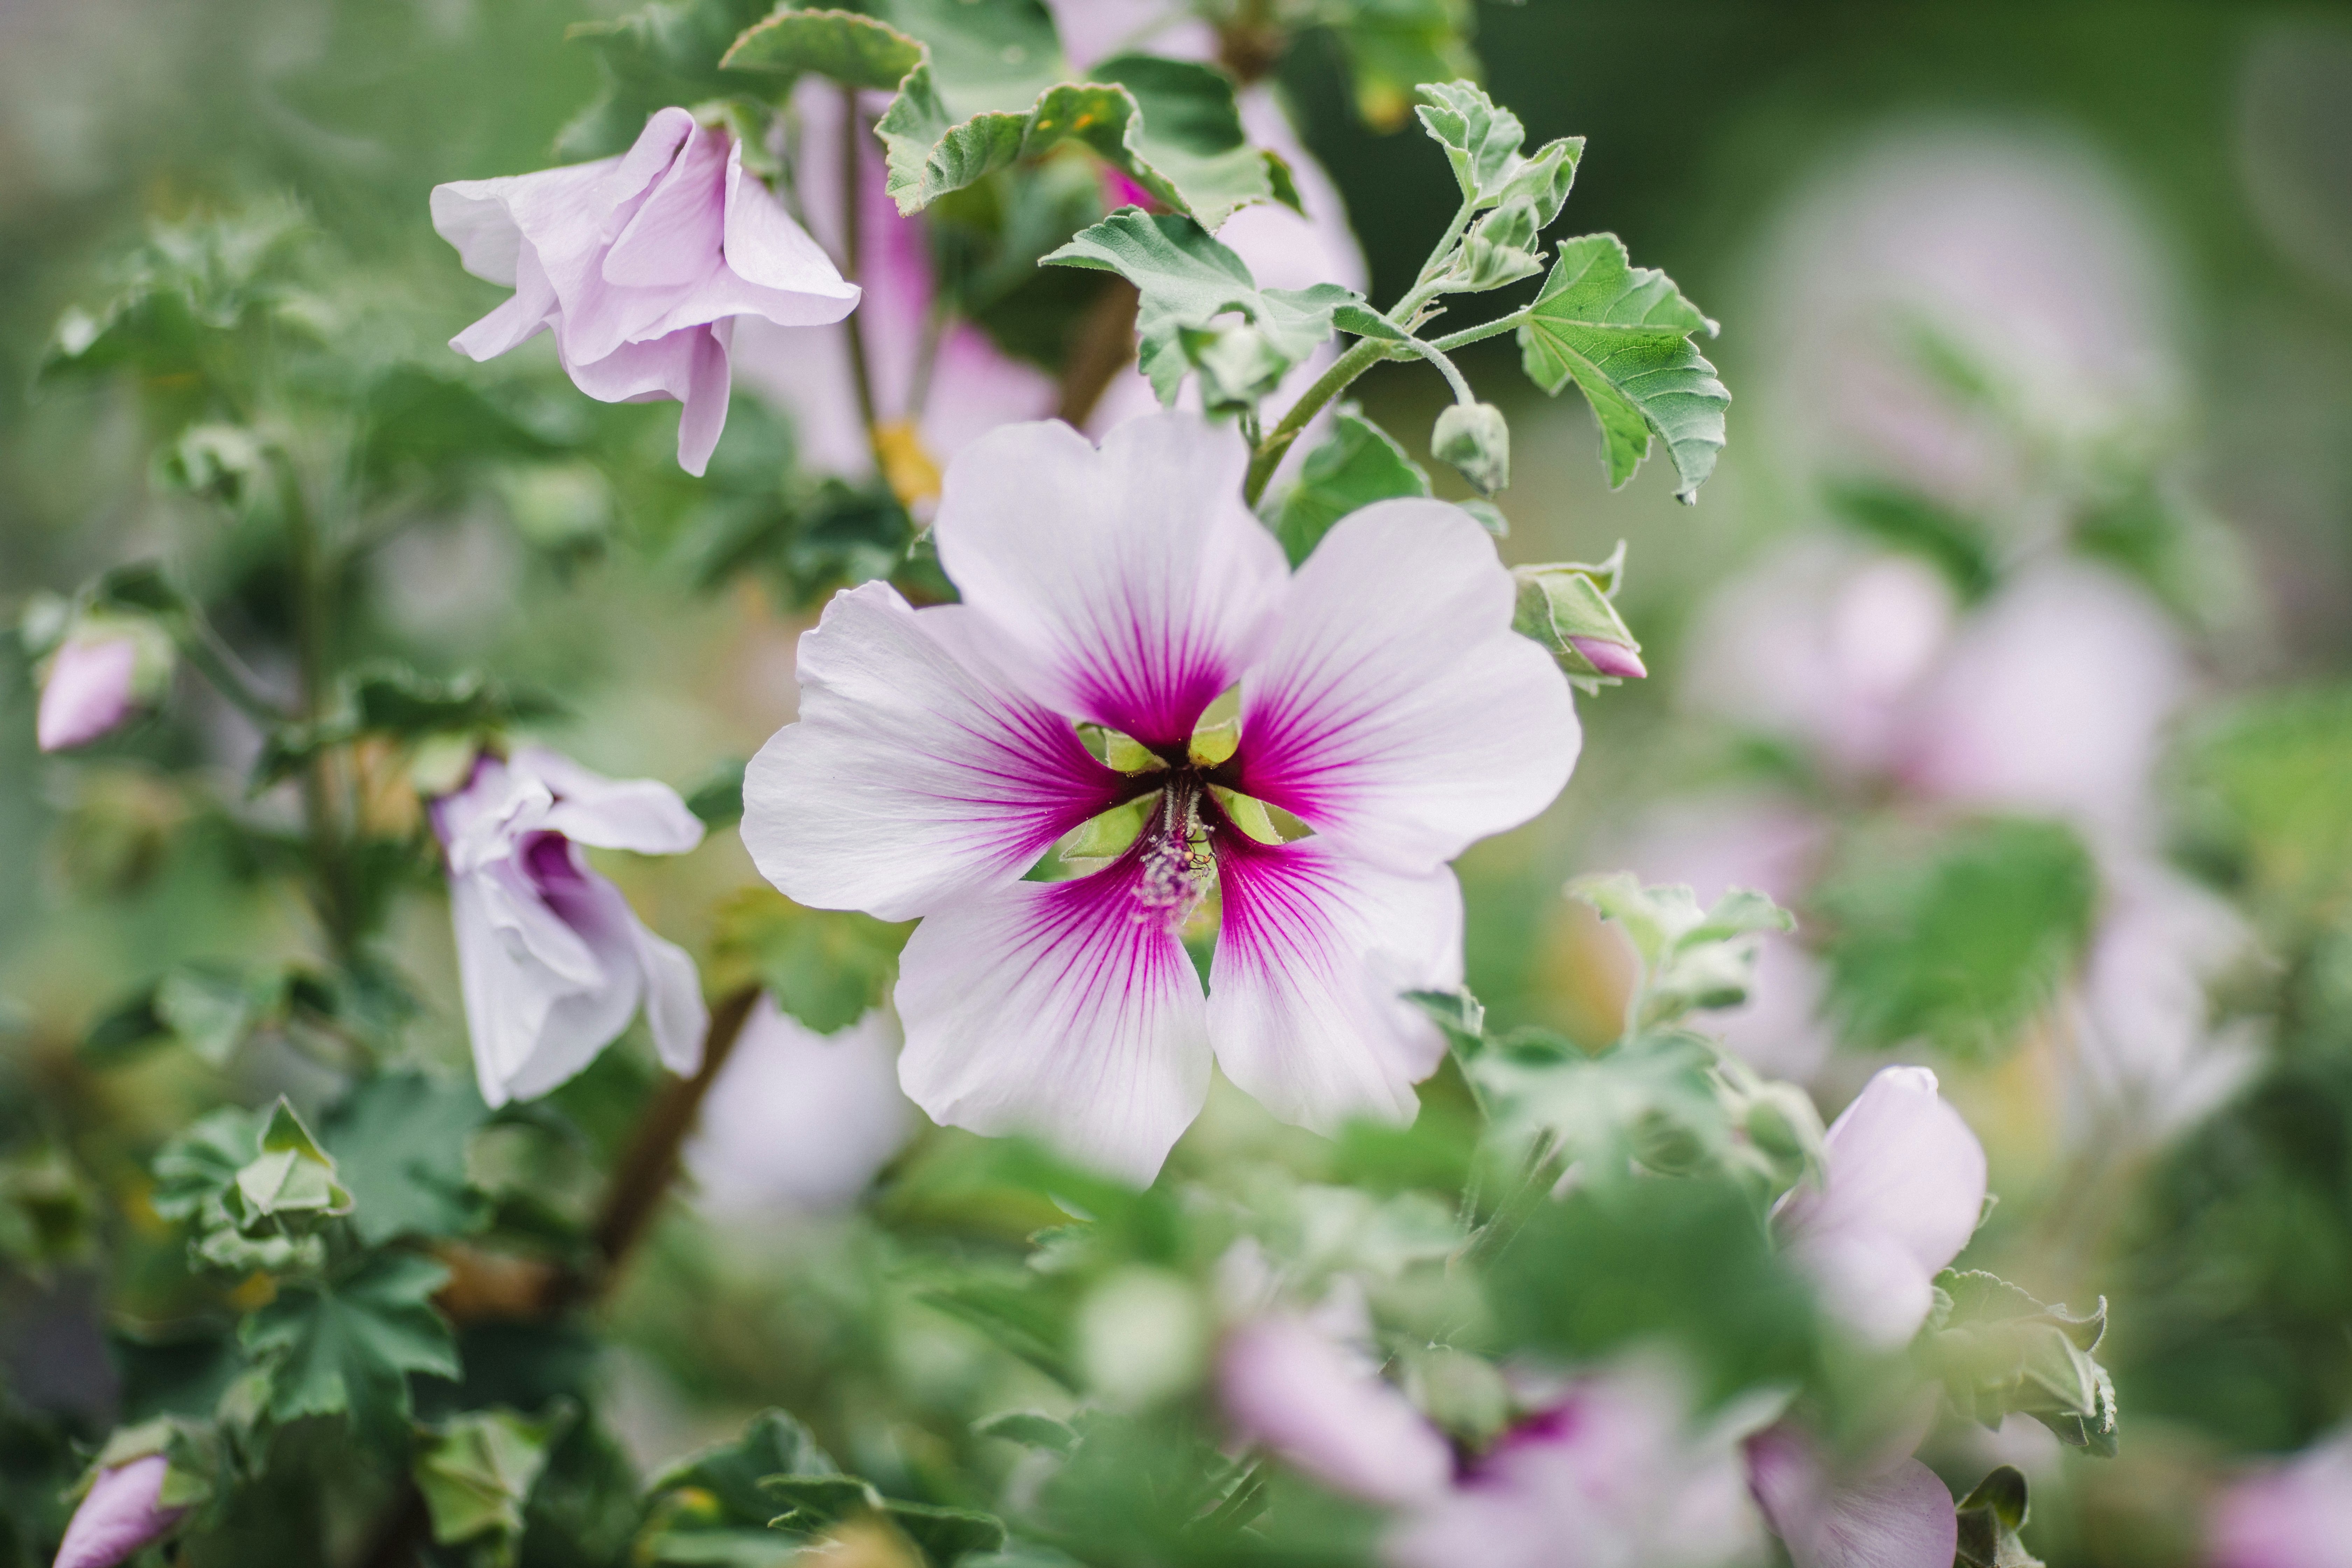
(1101,348)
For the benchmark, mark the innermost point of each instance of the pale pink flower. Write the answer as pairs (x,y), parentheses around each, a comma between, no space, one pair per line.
(1888,1511)
(90,690)
(2298,1514)
(1614,1474)
(1901,1192)
(553,960)
(641,264)
(121,1514)
(798,1119)
(973,386)
(1384,701)
(1326,1412)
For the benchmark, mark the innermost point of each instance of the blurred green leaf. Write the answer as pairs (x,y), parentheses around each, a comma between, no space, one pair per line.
(857,51)
(399,1141)
(1960,938)
(475,1471)
(1393,47)
(347,1345)
(1357,463)
(664,54)
(2261,797)
(203,1160)
(1905,519)
(1999,1351)
(825,967)
(1624,335)
(1691,958)
(1990,1517)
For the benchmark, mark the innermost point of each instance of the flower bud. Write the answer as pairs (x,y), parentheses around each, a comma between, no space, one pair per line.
(1474,438)
(121,1513)
(1238,366)
(1616,658)
(102,675)
(1567,608)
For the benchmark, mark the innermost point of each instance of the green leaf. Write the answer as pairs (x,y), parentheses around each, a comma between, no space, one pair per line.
(399,1141)
(856,50)
(419,425)
(1357,464)
(1393,47)
(717,801)
(1691,958)
(476,1472)
(1187,280)
(946,1534)
(1999,1350)
(666,54)
(1030,1428)
(1956,545)
(203,1161)
(1624,335)
(1457,1012)
(2264,805)
(1960,938)
(291,1175)
(825,967)
(1476,439)
(731,1474)
(347,1347)
(1652,1103)
(1990,1517)
(1562,601)
(214,1009)
(1482,141)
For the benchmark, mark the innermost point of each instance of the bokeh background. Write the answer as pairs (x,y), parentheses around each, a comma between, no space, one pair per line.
(2009,646)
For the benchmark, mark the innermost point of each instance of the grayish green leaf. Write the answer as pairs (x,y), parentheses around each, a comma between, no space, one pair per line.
(1357,463)
(346,1347)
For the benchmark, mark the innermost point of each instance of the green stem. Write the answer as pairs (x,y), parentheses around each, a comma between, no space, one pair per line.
(332,894)
(1468,335)
(851,173)
(1424,287)
(1436,356)
(1366,353)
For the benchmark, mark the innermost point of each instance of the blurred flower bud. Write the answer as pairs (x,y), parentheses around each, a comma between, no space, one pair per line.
(1474,438)
(1237,364)
(1566,606)
(102,675)
(121,1513)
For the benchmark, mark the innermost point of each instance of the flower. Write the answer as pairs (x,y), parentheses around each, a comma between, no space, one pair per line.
(1611,1474)
(1384,701)
(1902,1190)
(641,264)
(553,960)
(2293,1515)
(90,690)
(1296,1392)
(121,1514)
(800,1119)
(972,385)
(1889,1512)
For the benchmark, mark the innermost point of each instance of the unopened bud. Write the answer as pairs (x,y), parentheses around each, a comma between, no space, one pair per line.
(92,688)
(1608,657)
(1567,608)
(1238,366)
(121,1513)
(1475,439)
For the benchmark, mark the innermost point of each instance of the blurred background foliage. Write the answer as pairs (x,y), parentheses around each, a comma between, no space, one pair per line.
(2012,294)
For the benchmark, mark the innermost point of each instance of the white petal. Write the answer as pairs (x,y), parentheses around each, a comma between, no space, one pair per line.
(1289,1388)
(641,814)
(1905,1188)
(675,1013)
(1315,951)
(1900,1518)
(766,248)
(915,773)
(511,992)
(1131,583)
(1050,1008)
(704,417)
(489,221)
(1397,712)
(675,235)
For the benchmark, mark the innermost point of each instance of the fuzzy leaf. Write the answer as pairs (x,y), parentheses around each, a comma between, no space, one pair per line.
(1357,464)
(1624,335)
(856,50)
(1990,1517)
(347,1347)
(1691,958)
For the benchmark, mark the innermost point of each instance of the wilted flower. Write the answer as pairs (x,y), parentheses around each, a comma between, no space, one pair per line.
(1301,1395)
(121,1514)
(798,1120)
(2295,1515)
(1384,701)
(1613,1474)
(553,961)
(640,264)
(1890,1511)
(91,688)
(1902,1189)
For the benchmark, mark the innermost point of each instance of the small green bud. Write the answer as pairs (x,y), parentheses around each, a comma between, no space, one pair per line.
(1475,439)
(1238,366)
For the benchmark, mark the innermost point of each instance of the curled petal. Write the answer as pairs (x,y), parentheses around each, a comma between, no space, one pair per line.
(688,366)
(1129,585)
(120,1514)
(915,774)
(1397,712)
(541,996)
(1904,1189)
(1305,992)
(1291,1389)
(639,815)
(1064,1010)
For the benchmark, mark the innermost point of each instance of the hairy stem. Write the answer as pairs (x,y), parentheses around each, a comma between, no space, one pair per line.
(1468,335)
(851,174)
(1366,353)
(1436,356)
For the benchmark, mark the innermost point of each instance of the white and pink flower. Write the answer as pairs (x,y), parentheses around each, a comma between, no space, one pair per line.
(121,1513)
(1384,702)
(553,960)
(641,264)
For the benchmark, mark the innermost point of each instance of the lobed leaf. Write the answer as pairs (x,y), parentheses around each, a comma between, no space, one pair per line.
(346,1347)
(1357,464)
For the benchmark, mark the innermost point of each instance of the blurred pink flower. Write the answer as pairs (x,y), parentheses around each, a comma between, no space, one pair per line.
(120,1514)
(1891,1512)
(934,761)
(973,386)
(1902,1191)
(641,264)
(90,690)
(2298,1514)
(553,960)
(1615,1474)
(798,1120)
(1300,1394)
